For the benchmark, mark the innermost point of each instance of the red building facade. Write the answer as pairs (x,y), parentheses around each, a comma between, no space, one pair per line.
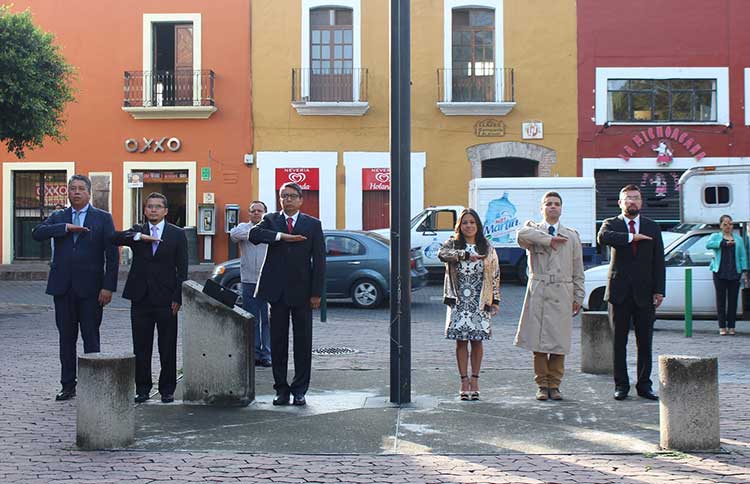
(663,86)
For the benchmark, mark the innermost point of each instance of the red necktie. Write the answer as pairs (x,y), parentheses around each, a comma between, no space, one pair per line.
(289,226)
(634,243)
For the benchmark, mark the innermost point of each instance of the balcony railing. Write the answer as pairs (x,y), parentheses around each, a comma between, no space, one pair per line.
(329,85)
(476,85)
(168,88)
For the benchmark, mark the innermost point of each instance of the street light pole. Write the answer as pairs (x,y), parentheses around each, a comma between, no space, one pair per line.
(400,137)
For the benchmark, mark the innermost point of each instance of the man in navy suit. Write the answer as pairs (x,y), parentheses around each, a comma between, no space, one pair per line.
(154,287)
(83,274)
(291,281)
(635,288)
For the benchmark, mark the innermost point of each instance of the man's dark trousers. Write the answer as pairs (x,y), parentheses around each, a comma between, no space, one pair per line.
(302,333)
(643,326)
(144,317)
(71,312)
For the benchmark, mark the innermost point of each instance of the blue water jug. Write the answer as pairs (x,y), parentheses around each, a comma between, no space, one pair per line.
(500,223)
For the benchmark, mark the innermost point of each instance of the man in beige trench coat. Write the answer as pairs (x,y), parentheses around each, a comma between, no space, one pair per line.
(553,295)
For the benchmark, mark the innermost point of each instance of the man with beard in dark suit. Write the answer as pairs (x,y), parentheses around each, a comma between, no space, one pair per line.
(292,282)
(154,287)
(635,288)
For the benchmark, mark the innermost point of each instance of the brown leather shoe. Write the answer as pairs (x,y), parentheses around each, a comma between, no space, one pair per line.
(542,393)
(554,394)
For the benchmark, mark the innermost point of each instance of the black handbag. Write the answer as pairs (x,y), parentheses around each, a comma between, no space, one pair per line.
(220,293)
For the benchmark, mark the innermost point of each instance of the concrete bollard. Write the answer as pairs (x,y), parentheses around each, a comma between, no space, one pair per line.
(217,350)
(597,343)
(105,416)
(688,403)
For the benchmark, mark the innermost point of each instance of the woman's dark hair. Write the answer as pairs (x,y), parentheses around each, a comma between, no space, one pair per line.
(721,219)
(481,241)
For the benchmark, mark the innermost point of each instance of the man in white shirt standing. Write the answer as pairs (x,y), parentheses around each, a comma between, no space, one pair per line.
(251,262)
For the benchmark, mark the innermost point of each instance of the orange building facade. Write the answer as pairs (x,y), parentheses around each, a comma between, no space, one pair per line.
(163,101)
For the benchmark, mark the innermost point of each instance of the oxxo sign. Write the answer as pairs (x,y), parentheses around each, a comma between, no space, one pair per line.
(306,178)
(376,179)
(156,144)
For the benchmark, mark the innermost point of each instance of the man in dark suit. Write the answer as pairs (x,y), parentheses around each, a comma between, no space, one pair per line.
(154,287)
(635,288)
(82,276)
(291,281)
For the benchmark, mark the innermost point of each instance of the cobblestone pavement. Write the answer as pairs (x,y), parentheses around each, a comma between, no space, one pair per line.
(38,433)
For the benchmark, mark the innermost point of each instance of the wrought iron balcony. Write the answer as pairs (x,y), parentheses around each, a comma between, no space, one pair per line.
(332,91)
(476,90)
(169,94)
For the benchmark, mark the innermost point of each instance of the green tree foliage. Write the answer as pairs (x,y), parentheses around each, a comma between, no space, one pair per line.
(35,84)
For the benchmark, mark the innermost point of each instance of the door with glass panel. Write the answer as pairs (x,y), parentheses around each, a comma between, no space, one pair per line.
(36,194)
(473,49)
(331,54)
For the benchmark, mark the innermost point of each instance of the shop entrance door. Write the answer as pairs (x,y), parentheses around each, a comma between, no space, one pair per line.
(36,194)
(170,183)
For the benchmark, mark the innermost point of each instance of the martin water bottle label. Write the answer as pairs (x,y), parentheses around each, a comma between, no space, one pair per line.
(501,223)
(431,251)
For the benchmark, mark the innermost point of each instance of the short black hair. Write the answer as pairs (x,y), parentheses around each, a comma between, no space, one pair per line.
(83,178)
(552,194)
(293,186)
(265,208)
(159,196)
(630,188)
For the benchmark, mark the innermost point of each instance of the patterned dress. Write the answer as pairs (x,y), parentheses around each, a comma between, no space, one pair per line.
(466,320)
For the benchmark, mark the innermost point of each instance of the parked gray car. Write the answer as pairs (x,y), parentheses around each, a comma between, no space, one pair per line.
(357,267)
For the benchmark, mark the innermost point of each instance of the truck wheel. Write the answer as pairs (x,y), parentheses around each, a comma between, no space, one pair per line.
(596,300)
(522,271)
(366,294)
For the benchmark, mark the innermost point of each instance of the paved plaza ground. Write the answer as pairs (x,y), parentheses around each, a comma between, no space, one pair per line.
(348,433)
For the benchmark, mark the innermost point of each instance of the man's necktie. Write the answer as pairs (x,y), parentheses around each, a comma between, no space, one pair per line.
(76,221)
(289,225)
(551,230)
(155,234)
(634,243)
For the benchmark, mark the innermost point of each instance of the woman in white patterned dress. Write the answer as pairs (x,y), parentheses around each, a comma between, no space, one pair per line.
(472,293)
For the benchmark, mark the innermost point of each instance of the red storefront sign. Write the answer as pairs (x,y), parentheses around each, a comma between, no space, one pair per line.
(653,137)
(376,179)
(307,178)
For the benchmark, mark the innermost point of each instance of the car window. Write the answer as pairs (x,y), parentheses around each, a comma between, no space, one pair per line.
(692,252)
(443,220)
(337,246)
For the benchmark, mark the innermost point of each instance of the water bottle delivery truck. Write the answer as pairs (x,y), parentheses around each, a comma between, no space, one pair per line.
(504,205)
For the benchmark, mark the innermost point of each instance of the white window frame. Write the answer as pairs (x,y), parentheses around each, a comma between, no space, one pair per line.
(8,169)
(721,74)
(354,6)
(148,110)
(356,161)
(326,163)
(136,166)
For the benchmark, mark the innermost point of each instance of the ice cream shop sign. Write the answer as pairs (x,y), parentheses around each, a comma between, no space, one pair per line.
(661,139)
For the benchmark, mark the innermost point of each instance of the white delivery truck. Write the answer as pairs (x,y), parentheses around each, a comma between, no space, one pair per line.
(708,192)
(504,204)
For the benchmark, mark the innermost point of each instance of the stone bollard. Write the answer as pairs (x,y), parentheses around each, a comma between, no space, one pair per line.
(217,350)
(688,403)
(105,416)
(597,343)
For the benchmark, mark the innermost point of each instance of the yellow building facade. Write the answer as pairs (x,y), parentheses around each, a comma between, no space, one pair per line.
(494,93)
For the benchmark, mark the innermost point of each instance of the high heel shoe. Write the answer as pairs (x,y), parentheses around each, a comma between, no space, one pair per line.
(462,394)
(474,394)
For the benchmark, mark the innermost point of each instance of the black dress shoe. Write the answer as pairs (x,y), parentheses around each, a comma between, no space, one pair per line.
(299,401)
(649,395)
(281,399)
(266,363)
(621,394)
(66,394)
(141,397)
(167,398)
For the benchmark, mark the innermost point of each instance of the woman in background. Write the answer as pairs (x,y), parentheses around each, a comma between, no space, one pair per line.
(728,265)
